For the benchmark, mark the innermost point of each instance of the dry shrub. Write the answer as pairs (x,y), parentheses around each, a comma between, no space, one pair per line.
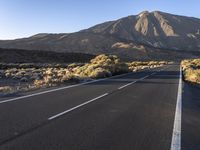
(6,89)
(192,75)
(53,76)
(191,70)
(102,66)
(139,65)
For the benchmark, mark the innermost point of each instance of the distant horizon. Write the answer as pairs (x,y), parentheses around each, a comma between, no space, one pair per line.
(22,19)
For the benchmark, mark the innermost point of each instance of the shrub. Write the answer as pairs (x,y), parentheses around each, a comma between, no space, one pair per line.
(100,73)
(102,66)
(139,65)
(6,89)
(191,70)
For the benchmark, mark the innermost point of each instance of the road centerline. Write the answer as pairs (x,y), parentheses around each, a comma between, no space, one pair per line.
(78,106)
(123,86)
(94,99)
(61,88)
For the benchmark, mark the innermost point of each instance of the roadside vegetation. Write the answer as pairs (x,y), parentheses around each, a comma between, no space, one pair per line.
(24,77)
(191,70)
(140,65)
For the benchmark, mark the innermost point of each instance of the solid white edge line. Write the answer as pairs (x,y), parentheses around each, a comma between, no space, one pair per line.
(62,88)
(176,136)
(71,109)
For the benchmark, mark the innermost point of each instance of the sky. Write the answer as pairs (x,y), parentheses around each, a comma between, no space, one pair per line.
(23,18)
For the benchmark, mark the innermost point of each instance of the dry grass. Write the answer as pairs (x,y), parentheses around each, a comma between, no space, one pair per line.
(32,76)
(191,70)
(139,65)
(53,76)
(6,89)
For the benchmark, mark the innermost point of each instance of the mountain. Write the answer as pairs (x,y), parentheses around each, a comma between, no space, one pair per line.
(148,35)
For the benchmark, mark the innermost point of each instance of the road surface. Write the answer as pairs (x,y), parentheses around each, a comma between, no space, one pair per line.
(136,111)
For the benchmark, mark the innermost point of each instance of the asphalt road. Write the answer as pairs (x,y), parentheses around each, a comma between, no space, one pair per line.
(130,112)
(191,118)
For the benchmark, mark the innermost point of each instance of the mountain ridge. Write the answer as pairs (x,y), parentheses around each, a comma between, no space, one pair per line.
(147,30)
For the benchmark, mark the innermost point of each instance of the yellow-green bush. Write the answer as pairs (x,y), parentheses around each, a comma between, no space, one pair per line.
(191,70)
(102,66)
(53,76)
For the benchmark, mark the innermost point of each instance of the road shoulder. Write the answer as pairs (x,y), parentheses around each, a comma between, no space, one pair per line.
(190,118)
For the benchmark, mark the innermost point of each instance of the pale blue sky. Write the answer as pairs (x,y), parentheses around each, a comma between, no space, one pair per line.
(22,18)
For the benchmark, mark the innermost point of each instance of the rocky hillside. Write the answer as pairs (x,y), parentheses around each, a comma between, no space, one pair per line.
(138,36)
